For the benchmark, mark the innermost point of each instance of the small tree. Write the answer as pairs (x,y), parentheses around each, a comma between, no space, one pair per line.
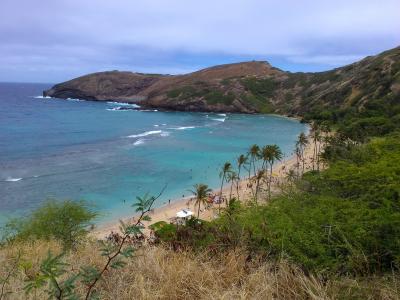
(61,284)
(254,153)
(301,144)
(232,178)
(67,221)
(200,191)
(226,169)
(259,176)
(275,154)
(241,161)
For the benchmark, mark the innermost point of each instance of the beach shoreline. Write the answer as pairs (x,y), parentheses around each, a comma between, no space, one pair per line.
(168,211)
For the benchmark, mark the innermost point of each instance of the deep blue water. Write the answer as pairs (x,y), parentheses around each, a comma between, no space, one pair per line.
(52,148)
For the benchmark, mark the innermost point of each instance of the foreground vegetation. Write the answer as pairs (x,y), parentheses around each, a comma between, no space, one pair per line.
(160,273)
(331,231)
(343,220)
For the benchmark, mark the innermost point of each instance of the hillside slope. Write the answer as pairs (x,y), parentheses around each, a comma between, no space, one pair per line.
(248,87)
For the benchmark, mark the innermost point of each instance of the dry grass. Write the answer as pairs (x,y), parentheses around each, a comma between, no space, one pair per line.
(159,273)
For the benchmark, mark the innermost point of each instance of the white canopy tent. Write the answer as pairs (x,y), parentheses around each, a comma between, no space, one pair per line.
(184,213)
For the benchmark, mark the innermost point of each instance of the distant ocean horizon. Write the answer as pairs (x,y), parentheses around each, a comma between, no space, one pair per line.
(85,150)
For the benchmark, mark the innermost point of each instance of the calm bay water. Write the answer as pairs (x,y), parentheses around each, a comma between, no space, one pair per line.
(51,148)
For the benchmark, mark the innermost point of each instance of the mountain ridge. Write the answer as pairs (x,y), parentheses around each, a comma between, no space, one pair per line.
(245,87)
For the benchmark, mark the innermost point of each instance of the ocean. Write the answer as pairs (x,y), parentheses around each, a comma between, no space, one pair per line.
(82,150)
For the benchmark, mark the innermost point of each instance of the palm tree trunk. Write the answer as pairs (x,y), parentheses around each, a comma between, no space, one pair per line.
(198,211)
(230,194)
(269,182)
(237,184)
(315,153)
(263,165)
(256,193)
(220,193)
(318,154)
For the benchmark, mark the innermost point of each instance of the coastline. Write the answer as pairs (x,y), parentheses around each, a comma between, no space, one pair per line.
(168,211)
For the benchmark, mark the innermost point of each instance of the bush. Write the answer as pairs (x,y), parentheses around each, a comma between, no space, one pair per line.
(216,96)
(345,219)
(260,87)
(65,221)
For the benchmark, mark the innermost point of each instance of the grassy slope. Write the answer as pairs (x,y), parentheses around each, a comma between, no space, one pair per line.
(159,273)
(325,95)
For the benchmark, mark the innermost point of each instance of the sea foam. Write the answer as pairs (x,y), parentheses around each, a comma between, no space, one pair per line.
(139,142)
(122,104)
(164,133)
(118,108)
(219,120)
(42,97)
(182,127)
(144,134)
(10,179)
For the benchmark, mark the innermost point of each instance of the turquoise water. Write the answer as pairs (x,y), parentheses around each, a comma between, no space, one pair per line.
(51,148)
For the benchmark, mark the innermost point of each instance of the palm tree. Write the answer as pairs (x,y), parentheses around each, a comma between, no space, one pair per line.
(200,191)
(325,129)
(302,143)
(232,178)
(316,136)
(298,158)
(266,153)
(241,161)
(254,153)
(291,176)
(226,169)
(274,154)
(260,175)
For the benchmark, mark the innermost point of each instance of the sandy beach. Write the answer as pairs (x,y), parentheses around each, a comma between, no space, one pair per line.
(168,211)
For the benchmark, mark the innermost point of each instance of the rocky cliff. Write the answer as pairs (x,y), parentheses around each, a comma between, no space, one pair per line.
(248,87)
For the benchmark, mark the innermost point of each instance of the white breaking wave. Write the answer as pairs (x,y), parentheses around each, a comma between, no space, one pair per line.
(164,133)
(145,133)
(122,104)
(42,97)
(219,120)
(139,142)
(73,99)
(182,127)
(10,179)
(156,125)
(222,115)
(115,108)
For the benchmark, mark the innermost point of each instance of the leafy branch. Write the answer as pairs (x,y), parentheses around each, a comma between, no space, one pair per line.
(144,205)
(53,267)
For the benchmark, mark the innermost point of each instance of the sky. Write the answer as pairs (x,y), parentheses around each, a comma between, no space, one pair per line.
(56,40)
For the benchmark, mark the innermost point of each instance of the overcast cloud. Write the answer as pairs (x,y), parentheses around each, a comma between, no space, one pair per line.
(54,40)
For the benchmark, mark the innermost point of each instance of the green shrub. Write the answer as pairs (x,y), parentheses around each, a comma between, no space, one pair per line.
(260,87)
(65,221)
(216,96)
(343,220)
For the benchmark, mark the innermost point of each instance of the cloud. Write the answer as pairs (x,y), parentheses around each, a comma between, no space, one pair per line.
(56,40)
